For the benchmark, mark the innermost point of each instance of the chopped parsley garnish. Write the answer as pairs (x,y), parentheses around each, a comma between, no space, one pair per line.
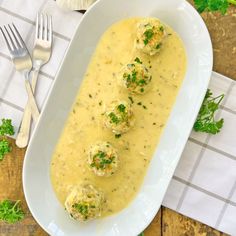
(148,36)
(142,82)
(134,75)
(81,208)
(100,160)
(130,65)
(142,90)
(158,46)
(121,108)
(139,103)
(101,155)
(161,28)
(205,121)
(105,162)
(114,118)
(10,211)
(131,100)
(117,135)
(138,60)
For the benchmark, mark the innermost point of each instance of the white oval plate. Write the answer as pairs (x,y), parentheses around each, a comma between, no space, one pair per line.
(39,194)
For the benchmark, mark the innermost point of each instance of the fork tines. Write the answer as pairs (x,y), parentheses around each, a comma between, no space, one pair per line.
(44,27)
(12,37)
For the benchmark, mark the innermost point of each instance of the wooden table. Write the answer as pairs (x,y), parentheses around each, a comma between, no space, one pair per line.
(166,222)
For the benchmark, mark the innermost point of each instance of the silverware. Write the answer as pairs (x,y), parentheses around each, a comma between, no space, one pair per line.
(41,55)
(22,61)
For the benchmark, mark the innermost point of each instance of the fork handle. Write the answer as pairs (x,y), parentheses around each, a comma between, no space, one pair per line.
(32,102)
(24,129)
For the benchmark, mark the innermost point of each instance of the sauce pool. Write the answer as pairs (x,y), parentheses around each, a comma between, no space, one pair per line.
(85,125)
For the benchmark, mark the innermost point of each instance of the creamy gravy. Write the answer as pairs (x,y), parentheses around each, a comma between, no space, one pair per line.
(84,125)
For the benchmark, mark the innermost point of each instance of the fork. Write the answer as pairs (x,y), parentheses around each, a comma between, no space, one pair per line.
(22,61)
(41,55)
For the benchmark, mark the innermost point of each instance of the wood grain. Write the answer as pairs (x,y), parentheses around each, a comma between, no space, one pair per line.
(166,222)
(11,188)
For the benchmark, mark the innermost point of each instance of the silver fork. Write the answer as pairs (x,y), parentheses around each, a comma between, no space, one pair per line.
(41,55)
(22,61)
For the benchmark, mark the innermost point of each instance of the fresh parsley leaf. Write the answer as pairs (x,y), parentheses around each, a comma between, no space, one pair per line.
(10,211)
(213,5)
(6,128)
(201,5)
(4,148)
(218,5)
(205,121)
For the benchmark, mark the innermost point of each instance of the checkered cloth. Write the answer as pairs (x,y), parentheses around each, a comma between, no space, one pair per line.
(204,183)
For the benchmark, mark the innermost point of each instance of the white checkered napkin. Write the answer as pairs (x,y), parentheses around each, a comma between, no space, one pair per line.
(204,183)
(23,13)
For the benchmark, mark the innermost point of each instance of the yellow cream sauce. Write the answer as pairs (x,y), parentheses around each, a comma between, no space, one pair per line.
(85,126)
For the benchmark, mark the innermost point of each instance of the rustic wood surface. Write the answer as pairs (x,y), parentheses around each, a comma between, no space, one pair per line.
(166,222)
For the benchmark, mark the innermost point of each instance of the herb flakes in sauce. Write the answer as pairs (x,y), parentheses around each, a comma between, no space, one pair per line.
(138,60)
(117,136)
(131,100)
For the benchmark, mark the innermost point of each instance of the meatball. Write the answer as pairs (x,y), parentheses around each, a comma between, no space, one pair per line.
(119,117)
(103,159)
(150,35)
(84,203)
(135,77)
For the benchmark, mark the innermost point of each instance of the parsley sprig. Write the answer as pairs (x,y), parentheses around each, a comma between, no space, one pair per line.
(4,148)
(6,128)
(213,5)
(10,211)
(205,121)
(101,160)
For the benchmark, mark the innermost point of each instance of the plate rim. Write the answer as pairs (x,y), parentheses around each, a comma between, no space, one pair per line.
(52,87)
